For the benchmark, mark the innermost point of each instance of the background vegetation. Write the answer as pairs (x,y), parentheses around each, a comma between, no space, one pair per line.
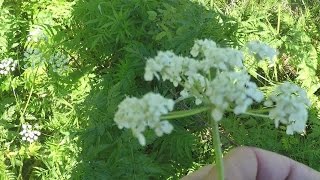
(104,45)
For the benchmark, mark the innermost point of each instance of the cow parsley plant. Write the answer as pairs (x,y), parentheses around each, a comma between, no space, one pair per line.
(219,82)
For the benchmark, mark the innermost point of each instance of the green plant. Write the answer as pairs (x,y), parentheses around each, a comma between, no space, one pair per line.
(78,59)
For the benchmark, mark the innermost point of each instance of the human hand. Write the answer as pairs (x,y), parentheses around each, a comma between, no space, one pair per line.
(248,163)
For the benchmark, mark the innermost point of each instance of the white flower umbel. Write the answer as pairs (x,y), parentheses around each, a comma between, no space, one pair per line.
(170,66)
(7,65)
(30,133)
(232,90)
(289,105)
(33,58)
(202,47)
(195,82)
(262,51)
(36,34)
(138,114)
(173,68)
(59,63)
(194,74)
(214,57)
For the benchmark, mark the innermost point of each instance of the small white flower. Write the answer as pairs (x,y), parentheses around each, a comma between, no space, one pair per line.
(215,57)
(268,103)
(59,63)
(138,114)
(217,114)
(184,93)
(7,65)
(36,35)
(167,64)
(31,134)
(23,132)
(141,138)
(262,51)
(289,105)
(33,58)
(225,59)
(195,82)
(38,133)
(202,47)
(232,89)
(163,127)
(28,134)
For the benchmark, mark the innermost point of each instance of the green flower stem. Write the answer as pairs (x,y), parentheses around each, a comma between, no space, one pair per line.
(256,115)
(269,81)
(217,149)
(30,94)
(15,94)
(259,110)
(184,113)
(279,17)
(181,99)
(29,97)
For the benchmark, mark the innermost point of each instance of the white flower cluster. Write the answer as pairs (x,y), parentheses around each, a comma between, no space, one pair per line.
(195,82)
(30,134)
(7,65)
(219,77)
(33,58)
(138,114)
(232,89)
(261,50)
(170,66)
(59,63)
(289,105)
(36,35)
(216,77)
(225,59)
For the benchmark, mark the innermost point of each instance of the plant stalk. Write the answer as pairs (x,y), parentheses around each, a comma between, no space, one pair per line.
(217,149)
(256,115)
(279,16)
(184,113)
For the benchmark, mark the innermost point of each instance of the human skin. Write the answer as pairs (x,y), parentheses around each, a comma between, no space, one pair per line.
(249,163)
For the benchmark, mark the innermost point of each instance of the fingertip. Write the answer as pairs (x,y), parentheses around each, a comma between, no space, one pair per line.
(241,164)
(273,166)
